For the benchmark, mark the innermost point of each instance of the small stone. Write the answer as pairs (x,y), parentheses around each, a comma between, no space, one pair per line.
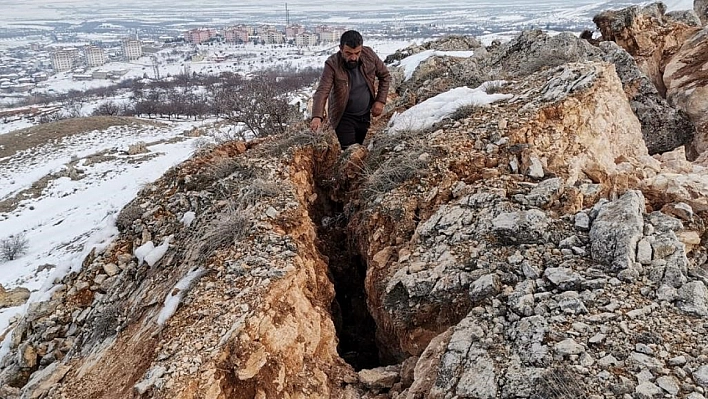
(381,377)
(643,348)
(271,212)
(669,384)
(111,269)
(569,347)
(597,338)
(701,376)
(485,287)
(645,375)
(644,251)
(536,168)
(647,390)
(677,361)
(100,278)
(608,361)
(582,221)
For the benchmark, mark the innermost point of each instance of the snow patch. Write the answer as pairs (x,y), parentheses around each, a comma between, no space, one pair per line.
(435,109)
(174,298)
(410,64)
(188,218)
(158,252)
(142,251)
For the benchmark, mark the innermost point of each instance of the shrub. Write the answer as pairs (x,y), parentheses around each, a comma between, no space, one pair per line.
(229,228)
(392,173)
(13,247)
(560,383)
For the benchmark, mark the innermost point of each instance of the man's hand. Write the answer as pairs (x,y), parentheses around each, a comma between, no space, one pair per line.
(315,124)
(377,108)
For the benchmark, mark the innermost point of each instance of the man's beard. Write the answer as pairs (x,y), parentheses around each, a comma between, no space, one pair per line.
(352,64)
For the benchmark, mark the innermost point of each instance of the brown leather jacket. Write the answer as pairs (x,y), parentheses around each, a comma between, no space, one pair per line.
(334,83)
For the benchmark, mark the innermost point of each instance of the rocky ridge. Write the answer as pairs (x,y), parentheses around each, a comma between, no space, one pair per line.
(529,248)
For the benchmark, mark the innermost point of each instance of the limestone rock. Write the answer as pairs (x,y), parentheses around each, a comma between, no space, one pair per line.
(664,128)
(521,227)
(701,9)
(617,230)
(687,87)
(701,376)
(693,298)
(647,35)
(13,297)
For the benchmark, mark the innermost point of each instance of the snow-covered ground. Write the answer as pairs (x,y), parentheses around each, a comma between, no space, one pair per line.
(72,216)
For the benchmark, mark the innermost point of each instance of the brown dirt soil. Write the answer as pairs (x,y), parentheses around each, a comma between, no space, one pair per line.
(24,139)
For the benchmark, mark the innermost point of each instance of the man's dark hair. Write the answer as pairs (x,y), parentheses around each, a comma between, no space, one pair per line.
(351,38)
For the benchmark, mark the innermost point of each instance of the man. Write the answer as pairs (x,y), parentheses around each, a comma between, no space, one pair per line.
(348,81)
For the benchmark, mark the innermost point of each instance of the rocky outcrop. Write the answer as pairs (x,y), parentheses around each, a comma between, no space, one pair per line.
(650,37)
(505,286)
(514,250)
(671,51)
(235,305)
(13,297)
(701,9)
(447,43)
(664,128)
(686,78)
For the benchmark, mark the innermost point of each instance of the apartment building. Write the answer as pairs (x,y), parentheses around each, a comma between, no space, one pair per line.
(64,59)
(294,30)
(95,56)
(199,35)
(236,34)
(132,49)
(328,36)
(329,33)
(306,39)
(273,37)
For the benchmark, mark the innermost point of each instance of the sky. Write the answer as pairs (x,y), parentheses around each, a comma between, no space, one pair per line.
(32,10)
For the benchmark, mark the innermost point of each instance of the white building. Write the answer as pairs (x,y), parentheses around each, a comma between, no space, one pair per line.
(306,39)
(273,37)
(132,49)
(95,56)
(330,36)
(63,60)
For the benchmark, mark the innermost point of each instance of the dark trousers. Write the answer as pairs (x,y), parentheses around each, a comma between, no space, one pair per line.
(352,129)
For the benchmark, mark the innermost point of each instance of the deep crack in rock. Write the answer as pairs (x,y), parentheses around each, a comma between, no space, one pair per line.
(356,328)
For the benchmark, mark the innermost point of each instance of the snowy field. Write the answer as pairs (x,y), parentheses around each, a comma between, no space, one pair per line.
(185,13)
(69,217)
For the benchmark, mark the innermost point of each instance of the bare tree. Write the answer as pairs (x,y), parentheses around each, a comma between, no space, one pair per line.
(107,108)
(13,247)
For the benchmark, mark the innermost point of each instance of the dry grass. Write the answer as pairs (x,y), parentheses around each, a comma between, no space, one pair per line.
(256,192)
(30,137)
(284,144)
(227,229)
(560,383)
(128,215)
(391,173)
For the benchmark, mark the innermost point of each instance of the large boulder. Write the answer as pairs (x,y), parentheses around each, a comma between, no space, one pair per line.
(664,127)
(686,78)
(701,9)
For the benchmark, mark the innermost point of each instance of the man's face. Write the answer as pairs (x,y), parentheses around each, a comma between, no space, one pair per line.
(351,55)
